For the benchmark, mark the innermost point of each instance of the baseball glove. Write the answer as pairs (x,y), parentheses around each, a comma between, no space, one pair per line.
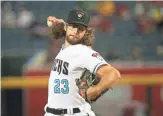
(86,80)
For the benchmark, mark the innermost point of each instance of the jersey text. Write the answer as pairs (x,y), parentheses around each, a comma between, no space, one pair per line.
(60,66)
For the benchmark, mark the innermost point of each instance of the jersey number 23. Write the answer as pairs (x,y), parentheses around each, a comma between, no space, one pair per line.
(61,86)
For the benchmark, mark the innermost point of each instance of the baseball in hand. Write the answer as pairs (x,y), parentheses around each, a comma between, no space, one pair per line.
(51,20)
(49,23)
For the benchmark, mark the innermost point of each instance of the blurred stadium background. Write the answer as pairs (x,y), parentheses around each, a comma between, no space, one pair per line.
(129,35)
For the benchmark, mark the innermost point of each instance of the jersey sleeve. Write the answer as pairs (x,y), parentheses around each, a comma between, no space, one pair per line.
(93,60)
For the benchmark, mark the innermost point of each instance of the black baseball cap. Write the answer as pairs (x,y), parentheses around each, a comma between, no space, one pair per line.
(78,16)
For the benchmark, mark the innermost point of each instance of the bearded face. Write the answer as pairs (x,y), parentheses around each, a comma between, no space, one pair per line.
(75,33)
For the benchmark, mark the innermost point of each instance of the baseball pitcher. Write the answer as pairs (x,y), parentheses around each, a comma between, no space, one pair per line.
(79,75)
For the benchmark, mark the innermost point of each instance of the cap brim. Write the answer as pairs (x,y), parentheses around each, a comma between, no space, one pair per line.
(77,22)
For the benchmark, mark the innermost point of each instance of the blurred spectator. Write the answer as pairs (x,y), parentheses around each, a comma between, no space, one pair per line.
(25,18)
(101,24)
(123,12)
(126,15)
(145,24)
(44,58)
(8,16)
(106,8)
(139,9)
(153,12)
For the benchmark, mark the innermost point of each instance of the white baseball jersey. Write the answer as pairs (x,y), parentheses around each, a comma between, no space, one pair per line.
(67,67)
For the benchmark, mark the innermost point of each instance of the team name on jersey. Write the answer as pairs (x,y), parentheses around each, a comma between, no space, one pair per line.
(60,66)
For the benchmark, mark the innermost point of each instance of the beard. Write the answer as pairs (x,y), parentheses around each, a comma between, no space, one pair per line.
(74,40)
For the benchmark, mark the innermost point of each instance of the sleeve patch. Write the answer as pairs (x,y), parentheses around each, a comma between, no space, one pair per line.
(98,56)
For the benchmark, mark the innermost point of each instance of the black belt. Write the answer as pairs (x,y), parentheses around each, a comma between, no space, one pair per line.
(61,111)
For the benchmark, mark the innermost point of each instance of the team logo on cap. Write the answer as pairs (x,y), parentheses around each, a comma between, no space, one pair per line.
(80,14)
